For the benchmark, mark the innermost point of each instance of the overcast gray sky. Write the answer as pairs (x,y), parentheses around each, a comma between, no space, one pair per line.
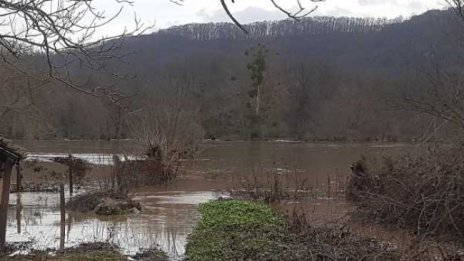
(164,13)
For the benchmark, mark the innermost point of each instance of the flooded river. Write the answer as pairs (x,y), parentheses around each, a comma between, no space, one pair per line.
(171,209)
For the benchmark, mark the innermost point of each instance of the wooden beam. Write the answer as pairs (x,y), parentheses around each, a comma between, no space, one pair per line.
(8,150)
(19,178)
(4,203)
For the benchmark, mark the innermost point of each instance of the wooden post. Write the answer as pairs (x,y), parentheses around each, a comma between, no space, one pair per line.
(9,156)
(19,178)
(4,203)
(70,220)
(63,218)
(2,164)
(116,173)
(71,165)
(19,208)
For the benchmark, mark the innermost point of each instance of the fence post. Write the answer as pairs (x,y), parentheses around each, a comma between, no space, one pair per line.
(19,208)
(63,217)
(71,166)
(4,203)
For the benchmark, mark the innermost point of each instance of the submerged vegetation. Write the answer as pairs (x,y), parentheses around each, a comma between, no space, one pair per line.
(422,193)
(104,203)
(241,230)
(276,185)
(128,175)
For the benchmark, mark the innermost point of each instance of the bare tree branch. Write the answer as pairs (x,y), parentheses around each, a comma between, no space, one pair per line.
(297,15)
(441,96)
(63,32)
(458,7)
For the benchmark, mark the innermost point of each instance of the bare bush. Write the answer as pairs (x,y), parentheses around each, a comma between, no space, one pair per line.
(127,174)
(423,193)
(334,242)
(168,127)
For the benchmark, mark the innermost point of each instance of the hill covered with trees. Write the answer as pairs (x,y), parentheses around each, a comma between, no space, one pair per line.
(322,78)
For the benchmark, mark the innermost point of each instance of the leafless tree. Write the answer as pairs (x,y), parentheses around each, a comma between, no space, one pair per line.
(19,100)
(300,12)
(297,15)
(167,124)
(457,6)
(63,32)
(437,90)
(441,94)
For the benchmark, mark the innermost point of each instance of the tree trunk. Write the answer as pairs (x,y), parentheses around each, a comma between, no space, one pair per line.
(258,101)
(4,203)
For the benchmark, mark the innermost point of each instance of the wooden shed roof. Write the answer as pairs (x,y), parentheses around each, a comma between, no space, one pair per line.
(11,151)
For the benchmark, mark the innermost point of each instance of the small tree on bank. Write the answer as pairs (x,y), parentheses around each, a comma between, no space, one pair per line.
(257,69)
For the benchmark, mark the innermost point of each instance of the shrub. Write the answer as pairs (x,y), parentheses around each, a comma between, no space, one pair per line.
(128,174)
(235,230)
(423,193)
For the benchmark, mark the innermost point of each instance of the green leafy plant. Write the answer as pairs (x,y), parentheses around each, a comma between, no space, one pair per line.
(236,230)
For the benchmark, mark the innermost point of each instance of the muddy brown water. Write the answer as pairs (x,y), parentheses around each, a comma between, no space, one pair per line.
(171,209)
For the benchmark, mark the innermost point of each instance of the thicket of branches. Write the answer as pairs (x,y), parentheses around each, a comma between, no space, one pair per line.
(58,35)
(422,193)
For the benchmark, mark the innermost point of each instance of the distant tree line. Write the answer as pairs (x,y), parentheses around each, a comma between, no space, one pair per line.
(336,79)
(260,30)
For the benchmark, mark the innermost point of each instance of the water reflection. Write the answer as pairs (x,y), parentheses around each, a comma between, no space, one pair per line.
(166,222)
(92,158)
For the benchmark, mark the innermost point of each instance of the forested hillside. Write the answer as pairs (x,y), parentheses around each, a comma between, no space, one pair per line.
(323,78)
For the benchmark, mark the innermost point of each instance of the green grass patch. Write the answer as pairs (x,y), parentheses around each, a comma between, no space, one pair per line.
(240,230)
(236,230)
(237,213)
